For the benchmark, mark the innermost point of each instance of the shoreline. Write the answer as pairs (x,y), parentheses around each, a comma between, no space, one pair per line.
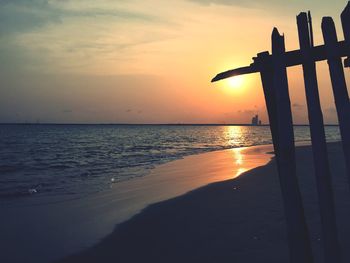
(237,220)
(90,227)
(31,201)
(68,227)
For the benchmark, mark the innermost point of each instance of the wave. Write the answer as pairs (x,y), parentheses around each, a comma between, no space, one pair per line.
(60,160)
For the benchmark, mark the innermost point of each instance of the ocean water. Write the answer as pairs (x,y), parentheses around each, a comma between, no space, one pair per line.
(70,161)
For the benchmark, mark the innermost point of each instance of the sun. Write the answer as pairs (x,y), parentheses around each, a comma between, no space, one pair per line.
(235,85)
(235,82)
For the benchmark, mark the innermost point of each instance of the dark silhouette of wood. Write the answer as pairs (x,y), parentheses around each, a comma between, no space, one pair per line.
(345,20)
(319,147)
(272,68)
(299,243)
(340,91)
(278,106)
(266,75)
(292,58)
(311,32)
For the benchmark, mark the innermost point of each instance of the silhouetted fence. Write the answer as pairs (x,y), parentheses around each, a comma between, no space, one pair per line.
(272,69)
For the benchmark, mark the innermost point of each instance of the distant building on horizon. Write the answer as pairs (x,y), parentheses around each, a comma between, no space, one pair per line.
(256,121)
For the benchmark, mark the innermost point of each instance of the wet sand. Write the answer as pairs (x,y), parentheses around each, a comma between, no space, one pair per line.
(236,220)
(38,232)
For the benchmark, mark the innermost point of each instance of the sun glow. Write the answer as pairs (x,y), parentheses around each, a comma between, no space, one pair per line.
(235,85)
(236,82)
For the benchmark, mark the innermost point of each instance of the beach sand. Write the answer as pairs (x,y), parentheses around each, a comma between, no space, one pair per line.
(237,220)
(44,230)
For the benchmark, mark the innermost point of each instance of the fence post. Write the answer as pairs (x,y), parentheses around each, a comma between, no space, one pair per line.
(266,75)
(298,237)
(345,21)
(319,147)
(340,92)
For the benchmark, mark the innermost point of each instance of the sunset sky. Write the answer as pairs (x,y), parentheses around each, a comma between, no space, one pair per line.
(150,61)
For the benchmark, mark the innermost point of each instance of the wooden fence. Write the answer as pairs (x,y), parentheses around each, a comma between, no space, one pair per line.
(272,69)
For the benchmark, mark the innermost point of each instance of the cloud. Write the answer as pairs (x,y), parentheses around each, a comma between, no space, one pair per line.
(268,5)
(20,16)
(330,115)
(252,3)
(247,112)
(297,105)
(76,36)
(136,111)
(331,110)
(224,2)
(26,15)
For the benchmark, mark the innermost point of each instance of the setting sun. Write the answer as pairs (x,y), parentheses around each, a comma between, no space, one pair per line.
(236,86)
(235,82)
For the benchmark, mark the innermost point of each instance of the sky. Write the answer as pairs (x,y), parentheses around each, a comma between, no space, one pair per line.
(150,61)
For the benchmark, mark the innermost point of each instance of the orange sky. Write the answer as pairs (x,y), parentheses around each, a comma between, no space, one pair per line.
(146,61)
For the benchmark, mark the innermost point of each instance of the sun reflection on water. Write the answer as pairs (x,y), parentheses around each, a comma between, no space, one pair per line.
(236,136)
(238,158)
(240,171)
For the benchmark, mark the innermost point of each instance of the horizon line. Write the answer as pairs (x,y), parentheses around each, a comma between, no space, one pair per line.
(150,124)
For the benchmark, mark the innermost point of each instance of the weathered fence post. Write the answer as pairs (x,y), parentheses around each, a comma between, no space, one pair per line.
(266,74)
(319,147)
(273,74)
(340,92)
(299,243)
(345,21)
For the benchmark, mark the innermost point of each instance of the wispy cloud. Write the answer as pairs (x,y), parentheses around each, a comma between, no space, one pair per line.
(71,34)
(297,105)
(20,15)
(253,3)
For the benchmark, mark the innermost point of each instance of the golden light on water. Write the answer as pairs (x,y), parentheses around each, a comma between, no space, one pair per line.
(240,166)
(239,161)
(240,171)
(243,159)
(235,135)
(239,158)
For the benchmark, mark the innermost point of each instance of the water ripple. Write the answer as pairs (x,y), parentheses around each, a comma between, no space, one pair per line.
(61,160)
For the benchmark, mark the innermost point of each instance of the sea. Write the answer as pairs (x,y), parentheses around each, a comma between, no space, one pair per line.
(71,161)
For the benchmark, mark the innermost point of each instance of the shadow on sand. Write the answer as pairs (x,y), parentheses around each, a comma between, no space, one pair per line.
(238,220)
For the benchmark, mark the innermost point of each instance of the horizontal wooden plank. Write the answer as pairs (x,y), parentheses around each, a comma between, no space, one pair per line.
(293,58)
